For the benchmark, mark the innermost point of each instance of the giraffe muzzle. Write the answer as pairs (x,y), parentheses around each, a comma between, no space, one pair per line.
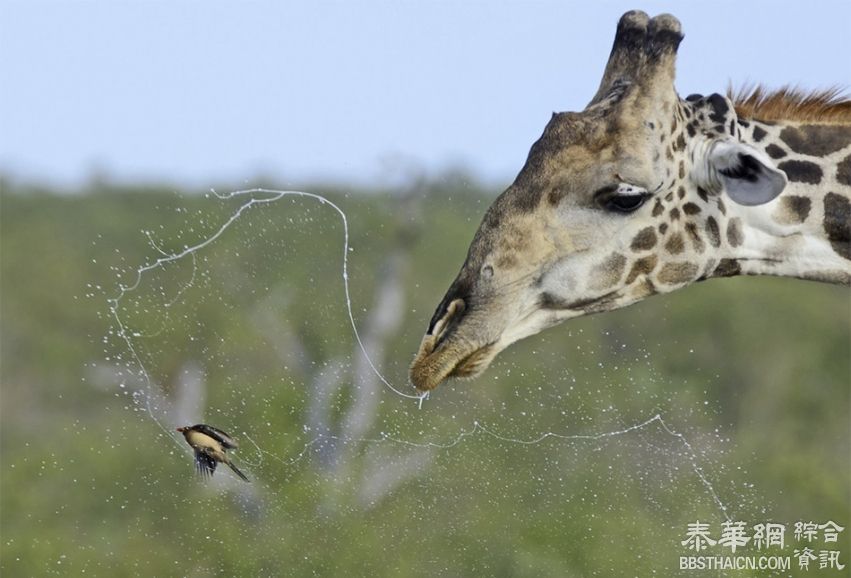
(443,353)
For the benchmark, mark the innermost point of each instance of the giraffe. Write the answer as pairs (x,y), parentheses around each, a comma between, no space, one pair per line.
(643,193)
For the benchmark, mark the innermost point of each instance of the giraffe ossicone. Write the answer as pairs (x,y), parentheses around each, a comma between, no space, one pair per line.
(644,193)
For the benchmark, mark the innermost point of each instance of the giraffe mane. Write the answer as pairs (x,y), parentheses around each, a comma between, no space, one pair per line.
(824,106)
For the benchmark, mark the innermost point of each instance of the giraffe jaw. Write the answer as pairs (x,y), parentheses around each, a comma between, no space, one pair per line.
(441,357)
(458,346)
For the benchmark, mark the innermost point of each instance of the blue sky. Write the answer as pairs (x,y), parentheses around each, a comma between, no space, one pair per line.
(212,92)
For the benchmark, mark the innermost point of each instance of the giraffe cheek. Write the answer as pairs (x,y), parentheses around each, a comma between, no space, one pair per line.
(608,273)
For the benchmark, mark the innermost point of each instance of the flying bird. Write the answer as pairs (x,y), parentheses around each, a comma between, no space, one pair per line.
(210,445)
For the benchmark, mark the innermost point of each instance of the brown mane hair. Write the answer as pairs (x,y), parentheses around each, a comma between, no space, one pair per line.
(830,105)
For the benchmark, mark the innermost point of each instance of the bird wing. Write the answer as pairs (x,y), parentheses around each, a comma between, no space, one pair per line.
(205,465)
(222,437)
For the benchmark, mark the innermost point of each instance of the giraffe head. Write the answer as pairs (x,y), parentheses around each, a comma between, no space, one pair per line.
(618,202)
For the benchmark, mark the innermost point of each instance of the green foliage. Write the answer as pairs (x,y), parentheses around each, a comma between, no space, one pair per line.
(753,372)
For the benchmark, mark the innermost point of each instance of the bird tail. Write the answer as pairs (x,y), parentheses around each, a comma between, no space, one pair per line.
(236,471)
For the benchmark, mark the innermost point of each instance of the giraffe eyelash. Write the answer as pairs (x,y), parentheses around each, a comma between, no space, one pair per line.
(626,189)
(620,189)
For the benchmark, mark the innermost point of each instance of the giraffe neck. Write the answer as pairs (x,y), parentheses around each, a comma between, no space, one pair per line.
(806,231)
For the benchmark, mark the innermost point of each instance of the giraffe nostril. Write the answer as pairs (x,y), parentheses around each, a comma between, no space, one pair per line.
(447,314)
(439,313)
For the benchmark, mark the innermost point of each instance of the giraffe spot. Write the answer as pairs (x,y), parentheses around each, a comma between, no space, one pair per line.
(681,192)
(678,272)
(669,197)
(690,129)
(843,171)
(708,269)
(682,171)
(733,127)
(801,171)
(775,151)
(645,239)
(792,210)
(704,196)
(675,214)
(674,245)
(691,209)
(658,209)
(608,272)
(713,232)
(719,107)
(680,145)
(727,268)
(721,206)
(644,289)
(837,223)
(734,232)
(643,266)
(758,133)
(696,240)
(816,140)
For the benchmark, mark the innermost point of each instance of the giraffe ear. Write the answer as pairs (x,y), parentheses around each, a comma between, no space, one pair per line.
(746,174)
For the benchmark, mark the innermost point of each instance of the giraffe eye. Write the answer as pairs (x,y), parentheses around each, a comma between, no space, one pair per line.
(625,203)
(621,198)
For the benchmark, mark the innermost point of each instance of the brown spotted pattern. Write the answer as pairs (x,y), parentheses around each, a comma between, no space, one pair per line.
(816,140)
(802,171)
(678,272)
(792,210)
(817,163)
(644,240)
(734,232)
(843,171)
(609,272)
(837,223)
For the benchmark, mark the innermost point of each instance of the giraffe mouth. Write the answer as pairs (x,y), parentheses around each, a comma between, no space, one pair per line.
(451,359)
(475,363)
(444,353)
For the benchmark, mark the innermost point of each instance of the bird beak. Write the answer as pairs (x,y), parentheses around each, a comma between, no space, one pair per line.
(181,429)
